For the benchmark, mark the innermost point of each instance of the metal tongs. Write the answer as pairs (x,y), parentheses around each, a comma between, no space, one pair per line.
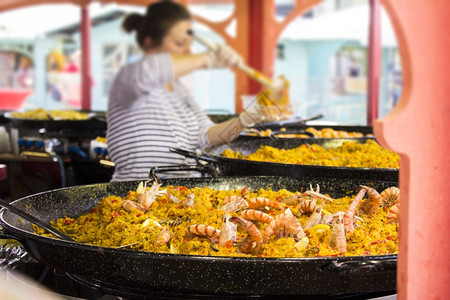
(252,73)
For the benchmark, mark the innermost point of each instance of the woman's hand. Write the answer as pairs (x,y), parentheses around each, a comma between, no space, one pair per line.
(262,114)
(223,57)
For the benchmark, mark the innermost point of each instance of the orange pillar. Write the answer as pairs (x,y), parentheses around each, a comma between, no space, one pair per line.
(374,63)
(419,129)
(86,76)
(261,50)
(257,35)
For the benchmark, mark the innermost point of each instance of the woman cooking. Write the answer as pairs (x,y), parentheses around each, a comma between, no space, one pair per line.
(150,111)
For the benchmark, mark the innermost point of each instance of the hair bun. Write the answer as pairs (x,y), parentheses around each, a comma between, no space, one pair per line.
(132,22)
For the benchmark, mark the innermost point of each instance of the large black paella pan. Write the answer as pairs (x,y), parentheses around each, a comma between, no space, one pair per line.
(225,166)
(198,274)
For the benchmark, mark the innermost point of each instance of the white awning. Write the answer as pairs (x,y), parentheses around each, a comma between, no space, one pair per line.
(348,24)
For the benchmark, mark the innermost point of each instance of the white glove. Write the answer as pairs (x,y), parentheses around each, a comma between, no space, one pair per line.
(260,113)
(223,57)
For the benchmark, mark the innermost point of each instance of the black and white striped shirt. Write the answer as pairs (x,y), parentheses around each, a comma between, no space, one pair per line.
(145,119)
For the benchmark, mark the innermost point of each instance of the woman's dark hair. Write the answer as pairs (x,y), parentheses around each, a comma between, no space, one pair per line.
(157,21)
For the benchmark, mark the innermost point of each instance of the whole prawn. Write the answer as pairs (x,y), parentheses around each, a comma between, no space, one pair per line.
(252,244)
(338,240)
(372,203)
(164,237)
(130,205)
(350,213)
(256,215)
(392,214)
(314,219)
(149,195)
(390,196)
(204,230)
(258,202)
(288,223)
(307,206)
(228,231)
(234,203)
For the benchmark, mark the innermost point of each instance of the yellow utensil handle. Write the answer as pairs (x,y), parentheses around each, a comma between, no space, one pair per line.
(256,75)
(252,73)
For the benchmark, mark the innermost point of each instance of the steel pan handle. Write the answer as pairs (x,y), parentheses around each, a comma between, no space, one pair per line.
(12,252)
(360,267)
(193,155)
(199,168)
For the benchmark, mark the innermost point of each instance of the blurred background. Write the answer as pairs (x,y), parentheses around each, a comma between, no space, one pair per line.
(323,53)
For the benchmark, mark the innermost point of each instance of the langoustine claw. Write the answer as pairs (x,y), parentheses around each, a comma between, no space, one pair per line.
(338,240)
(252,244)
(288,223)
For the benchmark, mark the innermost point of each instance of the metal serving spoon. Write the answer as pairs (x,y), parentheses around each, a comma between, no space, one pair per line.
(35,221)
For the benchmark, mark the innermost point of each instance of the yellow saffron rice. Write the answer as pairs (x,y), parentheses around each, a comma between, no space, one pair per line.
(109,225)
(349,154)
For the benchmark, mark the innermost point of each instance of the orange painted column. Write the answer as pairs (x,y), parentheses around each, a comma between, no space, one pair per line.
(260,37)
(86,76)
(419,129)
(264,33)
(257,34)
(374,61)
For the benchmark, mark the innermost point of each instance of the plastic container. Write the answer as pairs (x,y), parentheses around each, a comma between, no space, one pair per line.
(94,144)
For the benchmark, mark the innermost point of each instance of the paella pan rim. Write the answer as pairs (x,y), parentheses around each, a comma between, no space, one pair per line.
(274,164)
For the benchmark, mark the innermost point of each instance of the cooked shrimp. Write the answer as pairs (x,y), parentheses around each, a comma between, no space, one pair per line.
(338,240)
(314,219)
(164,237)
(372,203)
(258,202)
(130,205)
(392,214)
(228,231)
(252,244)
(231,198)
(308,206)
(350,213)
(234,203)
(390,196)
(291,200)
(204,230)
(189,201)
(256,215)
(289,224)
(328,219)
(149,195)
